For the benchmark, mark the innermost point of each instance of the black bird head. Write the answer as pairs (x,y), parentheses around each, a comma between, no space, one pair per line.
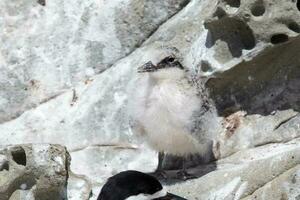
(133,183)
(167,62)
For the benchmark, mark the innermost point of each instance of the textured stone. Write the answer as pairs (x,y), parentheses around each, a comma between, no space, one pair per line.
(286,186)
(79,187)
(243,25)
(49,48)
(243,173)
(33,172)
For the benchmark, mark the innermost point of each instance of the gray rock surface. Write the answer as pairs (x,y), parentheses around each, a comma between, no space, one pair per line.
(47,49)
(245,173)
(37,171)
(286,186)
(243,25)
(68,69)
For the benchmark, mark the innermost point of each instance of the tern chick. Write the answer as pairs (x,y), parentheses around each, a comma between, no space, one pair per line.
(165,104)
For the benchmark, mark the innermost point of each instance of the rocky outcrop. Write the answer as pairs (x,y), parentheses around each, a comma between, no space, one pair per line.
(49,47)
(237,26)
(267,172)
(264,83)
(33,172)
(286,186)
(68,69)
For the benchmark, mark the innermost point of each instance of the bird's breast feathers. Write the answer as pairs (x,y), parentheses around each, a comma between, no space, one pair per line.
(178,100)
(166,116)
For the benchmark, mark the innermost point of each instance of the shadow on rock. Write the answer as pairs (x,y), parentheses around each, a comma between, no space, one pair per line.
(196,172)
(269,82)
(196,166)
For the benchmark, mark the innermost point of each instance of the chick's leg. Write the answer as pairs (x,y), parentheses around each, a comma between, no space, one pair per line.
(161,156)
(159,172)
(183,174)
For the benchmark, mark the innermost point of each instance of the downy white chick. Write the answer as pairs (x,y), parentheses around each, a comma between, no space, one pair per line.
(165,104)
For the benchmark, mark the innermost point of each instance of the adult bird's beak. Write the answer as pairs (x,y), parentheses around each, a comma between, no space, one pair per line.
(171,196)
(147,67)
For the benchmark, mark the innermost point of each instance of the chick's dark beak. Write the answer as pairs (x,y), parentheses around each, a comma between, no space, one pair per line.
(170,196)
(147,67)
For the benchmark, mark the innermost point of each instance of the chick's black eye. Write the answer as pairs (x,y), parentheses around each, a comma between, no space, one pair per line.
(171,59)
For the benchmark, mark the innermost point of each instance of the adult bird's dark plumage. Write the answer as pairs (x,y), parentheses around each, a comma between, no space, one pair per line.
(134,185)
